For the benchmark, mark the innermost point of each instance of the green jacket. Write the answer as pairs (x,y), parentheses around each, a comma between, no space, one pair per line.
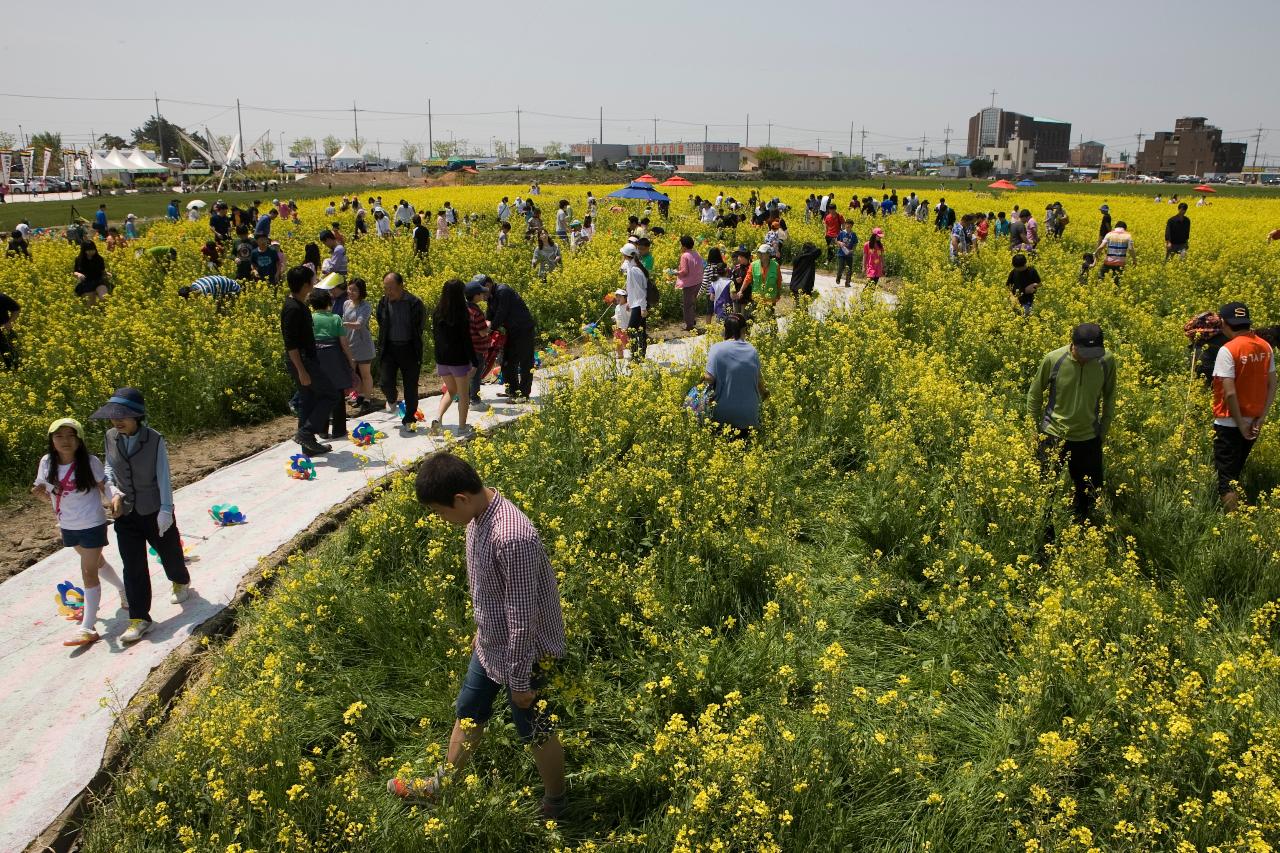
(1075,394)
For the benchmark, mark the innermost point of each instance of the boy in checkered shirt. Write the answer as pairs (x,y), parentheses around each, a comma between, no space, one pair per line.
(519,625)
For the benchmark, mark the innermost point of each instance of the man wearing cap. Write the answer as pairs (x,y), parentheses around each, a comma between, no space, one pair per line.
(509,315)
(1104,228)
(1177,233)
(316,394)
(401,320)
(1080,382)
(1244,386)
(137,464)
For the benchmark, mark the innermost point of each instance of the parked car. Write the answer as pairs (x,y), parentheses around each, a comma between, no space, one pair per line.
(626,165)
(552,165)
(579,167)
(1234,182)
(197,164)
(375,167)
(17,185)
(660,166)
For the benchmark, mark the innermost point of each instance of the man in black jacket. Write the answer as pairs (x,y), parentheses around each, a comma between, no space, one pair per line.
(1177,233)
(401,320)
(317,395)
(508,313)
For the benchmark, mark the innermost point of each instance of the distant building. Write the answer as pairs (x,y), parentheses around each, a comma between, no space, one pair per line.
(796,160)
(993,127)
(687,156)
(1192,148)
(1018,157)
(1087,154)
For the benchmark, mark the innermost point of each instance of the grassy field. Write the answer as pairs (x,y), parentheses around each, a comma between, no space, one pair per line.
(856,634)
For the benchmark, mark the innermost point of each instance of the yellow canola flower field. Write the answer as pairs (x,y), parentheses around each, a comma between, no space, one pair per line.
(855,634)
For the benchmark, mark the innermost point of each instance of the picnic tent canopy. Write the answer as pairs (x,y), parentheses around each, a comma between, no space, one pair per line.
(676,181)
(139,162)
(345,155)
(1001,184)
(116,162)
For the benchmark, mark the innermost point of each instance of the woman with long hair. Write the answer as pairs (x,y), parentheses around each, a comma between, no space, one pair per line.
(873,257)
(355,319)
(546,257)
(90,271)
(455,354)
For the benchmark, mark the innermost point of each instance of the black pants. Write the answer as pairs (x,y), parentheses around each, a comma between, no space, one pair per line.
(1115,272)
(8,353)
(1230,450)
(315,401)
(831,248)
(402,359)
(134,533)
(338,418)
(517,361)
(638,329)
(1084,464)
(844,266)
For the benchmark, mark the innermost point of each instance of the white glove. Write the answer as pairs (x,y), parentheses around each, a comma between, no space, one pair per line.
(164,520)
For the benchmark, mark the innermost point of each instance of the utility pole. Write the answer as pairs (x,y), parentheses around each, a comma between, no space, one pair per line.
(705,137)
(601,137)
(746,140)
(863,153)
(281,152)
(240,129)
(655,130)
(946,144)
(431,147)
(924,140)
(768,139)
(519,143)
(1137,151)
(355,122)
(159,128)
(1257,144)
(850,151)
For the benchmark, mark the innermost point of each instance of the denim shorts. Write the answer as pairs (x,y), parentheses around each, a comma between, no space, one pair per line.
(475,702)
(94,537)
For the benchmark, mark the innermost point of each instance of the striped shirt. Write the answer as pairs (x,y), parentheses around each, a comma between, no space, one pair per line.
(216,285)
(514,595)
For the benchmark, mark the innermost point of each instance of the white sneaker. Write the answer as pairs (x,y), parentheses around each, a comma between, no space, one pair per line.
(391,408)
(181,592)
(137,629)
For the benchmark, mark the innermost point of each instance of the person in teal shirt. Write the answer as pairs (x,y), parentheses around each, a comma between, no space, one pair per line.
(334,355)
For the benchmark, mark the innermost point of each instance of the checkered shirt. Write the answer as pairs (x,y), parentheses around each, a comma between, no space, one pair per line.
(513,594)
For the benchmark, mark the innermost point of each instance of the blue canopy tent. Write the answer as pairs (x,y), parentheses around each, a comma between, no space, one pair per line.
(637,189)
(1026,182)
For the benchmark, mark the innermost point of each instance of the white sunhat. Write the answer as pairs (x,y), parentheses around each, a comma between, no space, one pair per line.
(764,249)
(629,250)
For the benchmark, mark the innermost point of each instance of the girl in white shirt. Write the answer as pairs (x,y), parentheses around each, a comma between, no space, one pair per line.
(74,482)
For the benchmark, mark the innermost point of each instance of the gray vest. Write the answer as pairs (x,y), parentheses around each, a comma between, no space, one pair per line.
(135,475)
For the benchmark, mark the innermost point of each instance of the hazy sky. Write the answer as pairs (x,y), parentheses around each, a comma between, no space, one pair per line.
(811,68)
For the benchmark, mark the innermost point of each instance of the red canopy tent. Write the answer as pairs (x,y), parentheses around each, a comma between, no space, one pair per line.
(676,181)
(1001,184)
(646,178)
(1205,188)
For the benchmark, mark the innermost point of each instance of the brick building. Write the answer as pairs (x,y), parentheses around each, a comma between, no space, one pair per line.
(1087,155)
(1193,147)
(993,127)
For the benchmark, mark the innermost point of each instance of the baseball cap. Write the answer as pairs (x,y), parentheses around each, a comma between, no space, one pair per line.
(1087,339)
(764,249)
(475,288)
(1235,315)
(481,279)
(1104,209)
(71,422)
(629,250)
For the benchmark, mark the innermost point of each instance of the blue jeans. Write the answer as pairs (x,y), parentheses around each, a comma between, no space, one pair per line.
(475,702)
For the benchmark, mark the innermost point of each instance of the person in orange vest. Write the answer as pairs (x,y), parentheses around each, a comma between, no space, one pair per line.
(1244,386)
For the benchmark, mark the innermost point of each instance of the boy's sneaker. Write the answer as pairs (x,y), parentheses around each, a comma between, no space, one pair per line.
(138,628)
(181,592)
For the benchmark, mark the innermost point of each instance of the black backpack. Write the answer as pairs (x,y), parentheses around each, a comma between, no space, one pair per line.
(652,296)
